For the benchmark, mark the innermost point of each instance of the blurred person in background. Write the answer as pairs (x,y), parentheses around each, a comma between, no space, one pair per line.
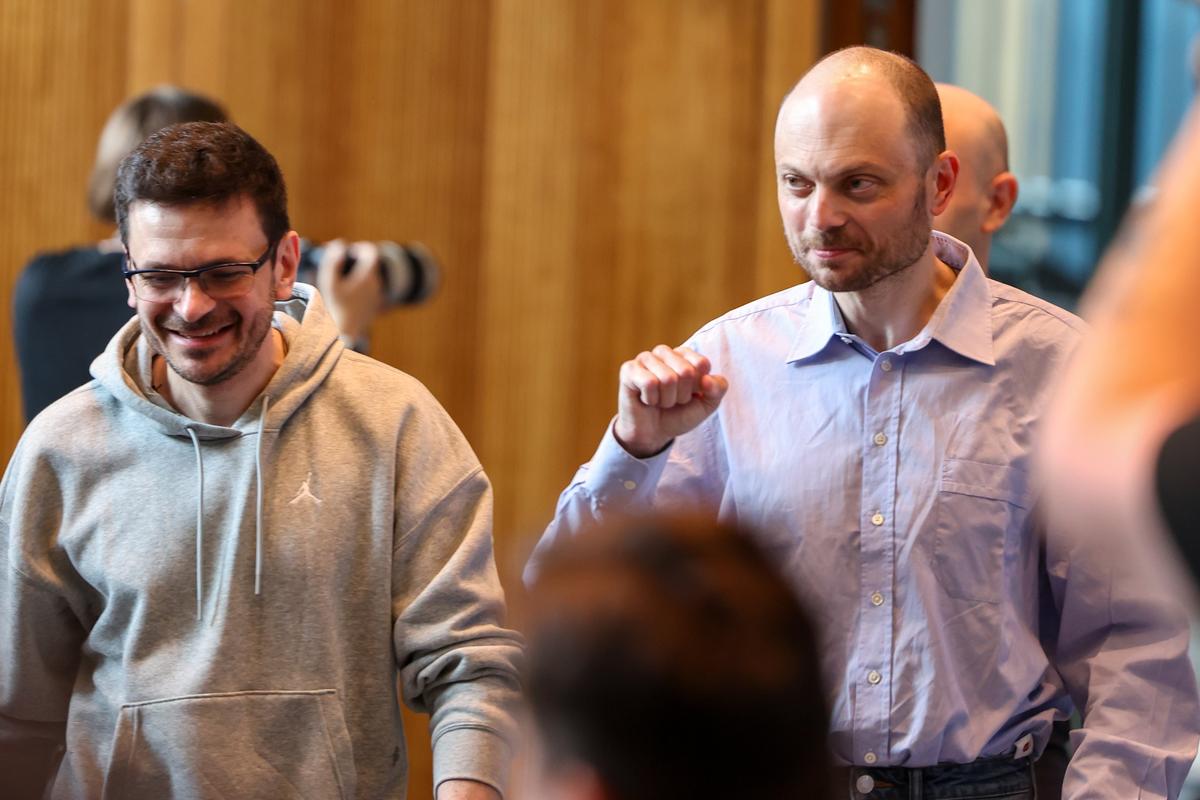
(670,660)
(67,304)
(985,191)
(878,424)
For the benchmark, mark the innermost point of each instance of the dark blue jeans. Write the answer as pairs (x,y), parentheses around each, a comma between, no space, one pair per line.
(986,779)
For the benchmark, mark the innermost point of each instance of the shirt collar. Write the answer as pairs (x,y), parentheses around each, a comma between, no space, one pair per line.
(962,322)
(822,323)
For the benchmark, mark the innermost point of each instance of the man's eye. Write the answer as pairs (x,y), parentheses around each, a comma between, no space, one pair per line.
(232,275)
(795,182)
(860,184)
(160,280)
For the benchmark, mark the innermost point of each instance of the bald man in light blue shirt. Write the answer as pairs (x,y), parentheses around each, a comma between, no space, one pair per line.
(877,422)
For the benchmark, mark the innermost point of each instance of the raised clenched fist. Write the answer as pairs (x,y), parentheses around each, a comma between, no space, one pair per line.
(664,392)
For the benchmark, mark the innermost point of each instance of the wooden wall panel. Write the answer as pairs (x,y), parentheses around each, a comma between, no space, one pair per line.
(61,72)
(630,190)
(790,46)
(594,175)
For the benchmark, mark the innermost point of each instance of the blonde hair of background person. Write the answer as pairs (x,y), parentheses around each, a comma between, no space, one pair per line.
(985,192)
(129,125)
(1137,379)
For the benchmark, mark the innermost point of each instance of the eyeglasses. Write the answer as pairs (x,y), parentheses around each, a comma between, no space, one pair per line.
(219,281)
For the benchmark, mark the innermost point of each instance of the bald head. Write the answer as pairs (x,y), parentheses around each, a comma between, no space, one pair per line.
(910,84)
(986,191)
(974,129)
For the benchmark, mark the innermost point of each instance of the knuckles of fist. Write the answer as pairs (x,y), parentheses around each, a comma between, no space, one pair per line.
(666,378)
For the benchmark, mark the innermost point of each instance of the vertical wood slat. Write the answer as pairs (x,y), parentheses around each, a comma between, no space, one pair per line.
(790,44)
(595,177)
(61,72)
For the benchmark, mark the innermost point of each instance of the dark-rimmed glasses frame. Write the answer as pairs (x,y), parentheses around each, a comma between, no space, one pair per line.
(131,273)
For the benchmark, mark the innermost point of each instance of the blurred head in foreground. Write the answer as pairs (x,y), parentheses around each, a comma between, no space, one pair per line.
(668,659)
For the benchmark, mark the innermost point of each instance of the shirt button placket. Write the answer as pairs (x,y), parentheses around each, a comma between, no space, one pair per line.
(872,718)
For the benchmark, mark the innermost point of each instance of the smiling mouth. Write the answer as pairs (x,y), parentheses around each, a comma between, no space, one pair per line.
(200,336)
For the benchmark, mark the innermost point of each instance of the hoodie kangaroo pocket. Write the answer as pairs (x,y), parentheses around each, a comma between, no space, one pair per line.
(263,744)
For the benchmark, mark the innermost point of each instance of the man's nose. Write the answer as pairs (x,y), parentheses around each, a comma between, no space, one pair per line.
(825,210)
(193,303)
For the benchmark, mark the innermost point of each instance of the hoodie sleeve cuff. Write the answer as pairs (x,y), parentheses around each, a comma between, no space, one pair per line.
(471,754)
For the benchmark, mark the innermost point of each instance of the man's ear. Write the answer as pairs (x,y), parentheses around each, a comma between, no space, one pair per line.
(945,175)
(1002,196)
(131,299)
(287,261)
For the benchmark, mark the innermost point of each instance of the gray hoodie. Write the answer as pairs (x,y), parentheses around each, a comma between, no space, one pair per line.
(224,611)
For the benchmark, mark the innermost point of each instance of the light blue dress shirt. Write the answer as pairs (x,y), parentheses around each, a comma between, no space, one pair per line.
(894,488)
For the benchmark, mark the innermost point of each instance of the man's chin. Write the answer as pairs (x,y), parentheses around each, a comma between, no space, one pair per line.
(856,280)
(201,374)
(838,280)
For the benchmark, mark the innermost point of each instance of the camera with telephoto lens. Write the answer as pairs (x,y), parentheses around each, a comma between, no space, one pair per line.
(409,272)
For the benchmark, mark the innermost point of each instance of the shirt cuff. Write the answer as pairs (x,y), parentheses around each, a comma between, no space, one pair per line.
(616,478)
(471,754)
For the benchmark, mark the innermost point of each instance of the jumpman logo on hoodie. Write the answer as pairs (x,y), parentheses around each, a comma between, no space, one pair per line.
(304,492)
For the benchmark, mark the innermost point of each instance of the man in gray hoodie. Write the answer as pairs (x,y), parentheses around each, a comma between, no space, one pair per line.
(221,553)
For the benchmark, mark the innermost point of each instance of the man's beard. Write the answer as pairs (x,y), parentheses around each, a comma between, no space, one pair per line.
(260,326)
(896,253)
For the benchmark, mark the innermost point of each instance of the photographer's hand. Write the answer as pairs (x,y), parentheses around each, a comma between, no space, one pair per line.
(355,298)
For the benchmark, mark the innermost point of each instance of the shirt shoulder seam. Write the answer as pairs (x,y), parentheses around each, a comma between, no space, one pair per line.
(754,309)
(1048,309)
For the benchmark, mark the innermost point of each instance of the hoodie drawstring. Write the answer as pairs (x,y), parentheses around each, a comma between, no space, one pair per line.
(258,511)
(199,526)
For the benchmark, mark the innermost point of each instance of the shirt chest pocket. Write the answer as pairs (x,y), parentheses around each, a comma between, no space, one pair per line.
(979,508)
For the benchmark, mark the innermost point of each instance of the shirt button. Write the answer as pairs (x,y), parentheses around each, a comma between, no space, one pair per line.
(877,519)
(874,678)
(870,758)
(876,599)
(865,784)
(630,485)
(886,365)
(880,439)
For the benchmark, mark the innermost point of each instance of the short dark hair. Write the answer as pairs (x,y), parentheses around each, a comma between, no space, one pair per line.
(203,162)
(129,125)
(913,86)
(669,656)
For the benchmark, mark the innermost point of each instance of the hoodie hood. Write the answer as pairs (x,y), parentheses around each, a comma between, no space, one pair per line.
(313,348)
